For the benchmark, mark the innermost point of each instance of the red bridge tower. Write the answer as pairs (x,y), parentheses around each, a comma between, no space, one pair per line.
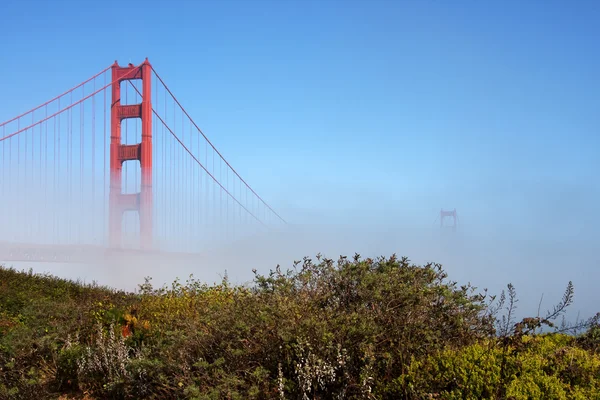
(451,214)
(119,153)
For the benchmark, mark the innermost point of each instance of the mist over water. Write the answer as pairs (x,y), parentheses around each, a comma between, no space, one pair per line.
(486,258)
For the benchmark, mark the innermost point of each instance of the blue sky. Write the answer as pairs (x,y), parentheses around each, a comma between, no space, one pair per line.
(381,111)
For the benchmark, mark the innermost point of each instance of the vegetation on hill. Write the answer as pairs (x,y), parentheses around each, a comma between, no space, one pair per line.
(351,329)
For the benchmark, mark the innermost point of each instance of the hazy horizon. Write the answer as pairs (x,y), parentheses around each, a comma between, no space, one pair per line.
(490,262)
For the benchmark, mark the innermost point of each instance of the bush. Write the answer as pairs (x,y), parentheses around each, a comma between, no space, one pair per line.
(354,329)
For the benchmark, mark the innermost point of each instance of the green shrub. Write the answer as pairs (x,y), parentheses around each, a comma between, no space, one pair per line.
(355,329)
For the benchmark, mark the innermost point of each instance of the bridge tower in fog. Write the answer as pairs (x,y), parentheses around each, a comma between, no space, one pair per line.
(140,202)
(448,214)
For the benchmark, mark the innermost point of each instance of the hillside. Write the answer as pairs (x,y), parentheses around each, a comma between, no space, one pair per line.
(368,329)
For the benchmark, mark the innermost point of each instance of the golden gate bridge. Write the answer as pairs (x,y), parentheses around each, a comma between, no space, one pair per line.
(117,165)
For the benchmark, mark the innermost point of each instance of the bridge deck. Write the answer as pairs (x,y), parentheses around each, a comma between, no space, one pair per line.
(24,252)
